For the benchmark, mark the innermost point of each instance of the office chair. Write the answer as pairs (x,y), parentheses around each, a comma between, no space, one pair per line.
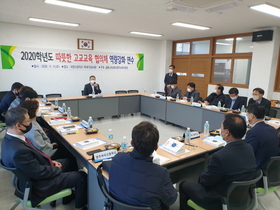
(40,96)
(53,95)
(272,113)
(133,91)
(161,93)
(271,179)
(110,202)
(27,204)
(120,91)
(240,195)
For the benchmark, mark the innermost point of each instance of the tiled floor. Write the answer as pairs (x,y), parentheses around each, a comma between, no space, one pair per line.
(121,127)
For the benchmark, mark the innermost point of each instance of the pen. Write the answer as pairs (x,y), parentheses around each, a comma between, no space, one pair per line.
(72,133)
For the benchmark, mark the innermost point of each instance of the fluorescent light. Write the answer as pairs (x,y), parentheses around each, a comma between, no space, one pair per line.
(78,6)
(53,22)
(231,39)
(271,10)
(145,34)
(190,26)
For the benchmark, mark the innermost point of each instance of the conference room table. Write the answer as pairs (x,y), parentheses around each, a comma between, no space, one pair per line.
(185,166)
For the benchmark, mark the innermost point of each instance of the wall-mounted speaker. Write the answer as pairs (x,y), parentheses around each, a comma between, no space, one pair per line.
(259,36)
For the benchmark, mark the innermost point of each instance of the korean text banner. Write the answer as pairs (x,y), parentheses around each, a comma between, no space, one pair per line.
(14,57)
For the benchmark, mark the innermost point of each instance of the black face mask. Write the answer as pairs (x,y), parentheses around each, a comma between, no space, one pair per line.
(28,128)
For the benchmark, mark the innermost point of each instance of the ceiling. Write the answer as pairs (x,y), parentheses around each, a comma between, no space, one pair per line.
(151,16)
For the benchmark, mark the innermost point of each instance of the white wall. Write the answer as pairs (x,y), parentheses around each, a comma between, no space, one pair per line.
(157,58)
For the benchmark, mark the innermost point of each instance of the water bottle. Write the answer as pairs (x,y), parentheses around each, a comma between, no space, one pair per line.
(155,92)
(44,99)
(188,136)
(206,128)
(63,108)
(56,103)
(219,104)
(177,97)
(243,110)
(191,100)
(124,145)
(93,93)
(69,113)
(145,91)
(110,135)
(90,123)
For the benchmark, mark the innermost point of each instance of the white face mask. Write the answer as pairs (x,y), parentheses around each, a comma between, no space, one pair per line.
(170,71)
(92,81)
(233,98)
(189,90)
(172,86)
(255,98)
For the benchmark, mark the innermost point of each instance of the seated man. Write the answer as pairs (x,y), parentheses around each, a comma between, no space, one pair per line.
(259,99)
(135,179)
(191,92)
(215,97)
(174,91)
(17,101)
(234,102)
(92,85)
(262,137)
(8,99)
(234,162)
(24,95)
(47,176)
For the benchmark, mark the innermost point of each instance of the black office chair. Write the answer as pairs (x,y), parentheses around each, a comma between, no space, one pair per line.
(53,95)
(40,96)
(271,179)
(272,113)
(120,91)
(2,94)
(240,195)
(110,202)
(133,91)
(161,93)
(25,195)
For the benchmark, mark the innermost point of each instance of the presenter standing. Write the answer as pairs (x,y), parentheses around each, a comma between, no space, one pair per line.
(92,86)
(170,78)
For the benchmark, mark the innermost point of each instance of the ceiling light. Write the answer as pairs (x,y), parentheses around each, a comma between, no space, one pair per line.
(78,6)
(222,7)
(266,8)
(190,26)
(53,22)
(231,39)
(145,34)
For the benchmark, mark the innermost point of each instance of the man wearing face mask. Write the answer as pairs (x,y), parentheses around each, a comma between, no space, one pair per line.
(215,97)
(170,78)
(259,99)
(174,91)
(234,102)
(9,98)
(191,92)
(92,87)
(46,174)
(234,162)
(262,137)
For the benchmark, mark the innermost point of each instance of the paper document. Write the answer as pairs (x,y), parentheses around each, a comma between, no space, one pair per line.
(216,141)
(89,143)
(158,159)
(174,147)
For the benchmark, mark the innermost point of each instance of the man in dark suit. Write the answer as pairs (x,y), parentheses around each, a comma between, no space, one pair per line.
(46,175)
(8,99)
(170,78)
(92,85)
(215,97)
(259,99)
(234,102)
(192,92)
(174,91)
(262,137)
(234,162)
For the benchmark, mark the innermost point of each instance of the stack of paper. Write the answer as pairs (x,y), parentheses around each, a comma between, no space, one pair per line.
(158,159)
(274,122)
(87,144)
(59,122)
(174,147)
(216,141)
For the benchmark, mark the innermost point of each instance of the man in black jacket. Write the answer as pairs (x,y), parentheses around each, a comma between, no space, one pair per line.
(170,78)
(259,99)
(215,97)
(235,162)
(234,102)
(91,87)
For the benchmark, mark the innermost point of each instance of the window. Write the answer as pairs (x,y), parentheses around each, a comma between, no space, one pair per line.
(201,47)
(241,71)
(244,44)
(183,48)
(224,45)
(222,70)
